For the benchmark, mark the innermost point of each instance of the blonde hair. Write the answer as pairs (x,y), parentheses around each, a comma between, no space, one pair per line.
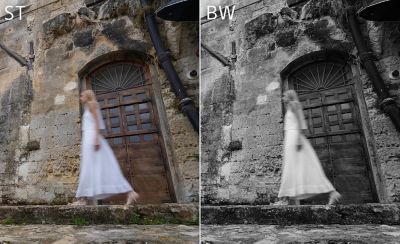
(293,100)
(292,96)
(91,98)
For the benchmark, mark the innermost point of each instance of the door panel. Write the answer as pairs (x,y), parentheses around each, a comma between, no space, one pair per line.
(132,131)
(335,133)
(326,91)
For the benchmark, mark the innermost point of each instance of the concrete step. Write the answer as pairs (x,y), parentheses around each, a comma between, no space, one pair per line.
(147,214)
(388,214)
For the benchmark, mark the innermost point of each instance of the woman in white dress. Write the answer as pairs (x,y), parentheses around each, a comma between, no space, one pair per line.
(303,175)
(100,174)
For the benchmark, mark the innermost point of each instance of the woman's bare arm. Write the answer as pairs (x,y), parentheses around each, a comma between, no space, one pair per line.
(295,108)
(93,110)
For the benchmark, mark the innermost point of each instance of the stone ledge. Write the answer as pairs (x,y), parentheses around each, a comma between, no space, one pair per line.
(297,234)
(99,234)
(103,214)
(387,214)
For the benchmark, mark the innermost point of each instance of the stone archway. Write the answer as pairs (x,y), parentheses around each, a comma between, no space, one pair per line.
(325,84)
(123,85)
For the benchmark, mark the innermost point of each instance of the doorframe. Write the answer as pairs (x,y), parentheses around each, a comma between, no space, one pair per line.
(174,173)
(172,170)
(366,129)
(377,186)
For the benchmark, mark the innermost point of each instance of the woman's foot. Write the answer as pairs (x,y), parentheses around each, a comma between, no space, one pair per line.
(334,197)
(132,197)
(80,202)
(280,202)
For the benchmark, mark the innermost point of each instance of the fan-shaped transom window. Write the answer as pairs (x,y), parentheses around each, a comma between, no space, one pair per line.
(320,76)
(118,76)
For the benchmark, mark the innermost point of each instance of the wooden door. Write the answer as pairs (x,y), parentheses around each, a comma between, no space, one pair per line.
(334,130)
(132,129)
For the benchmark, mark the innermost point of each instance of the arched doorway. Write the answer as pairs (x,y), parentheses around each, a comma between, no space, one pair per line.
(325,84)
(124,92)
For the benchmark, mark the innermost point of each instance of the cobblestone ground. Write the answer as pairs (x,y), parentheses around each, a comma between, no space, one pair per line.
(105,234)
(310,234)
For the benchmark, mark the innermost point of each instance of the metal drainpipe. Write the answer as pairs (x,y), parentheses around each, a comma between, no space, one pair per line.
(387,103)
(186,104)
(22,61)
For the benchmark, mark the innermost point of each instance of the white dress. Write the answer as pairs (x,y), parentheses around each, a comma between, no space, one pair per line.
(100,174)
(303,175)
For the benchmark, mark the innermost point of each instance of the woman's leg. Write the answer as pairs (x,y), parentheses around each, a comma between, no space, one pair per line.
(294,200)
(132,197)
(81,201)
(334,197)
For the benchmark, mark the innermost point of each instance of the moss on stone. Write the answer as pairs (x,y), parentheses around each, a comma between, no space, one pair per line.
(12,221)
(305,214)
(159,219)
(78,220)
(135,219)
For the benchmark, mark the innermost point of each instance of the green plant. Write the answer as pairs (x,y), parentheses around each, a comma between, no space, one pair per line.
(11,221)
(8,221)
(135,219)
(77,220)
(159,219)
(191,222)
(155,220)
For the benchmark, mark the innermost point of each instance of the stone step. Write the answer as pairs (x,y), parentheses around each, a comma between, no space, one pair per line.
(388,214)
(116,234)
(296,234)
(147,214)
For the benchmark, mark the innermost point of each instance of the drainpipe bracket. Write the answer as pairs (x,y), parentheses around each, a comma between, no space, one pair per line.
(387,102)
(164,56)
(366,56)
(185,101)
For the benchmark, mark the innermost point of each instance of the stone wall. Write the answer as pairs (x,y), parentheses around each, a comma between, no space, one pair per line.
(40,134)
(241,105)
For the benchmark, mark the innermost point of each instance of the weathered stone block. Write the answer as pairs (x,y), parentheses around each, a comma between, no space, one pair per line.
(113,9)
(294,2)
(259,27)
(289,12)
(315,9)
(87,12)
(117,31)
(83,38)
(286,38)
(235,145)
(92,2)
(59,25)
(33,145)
